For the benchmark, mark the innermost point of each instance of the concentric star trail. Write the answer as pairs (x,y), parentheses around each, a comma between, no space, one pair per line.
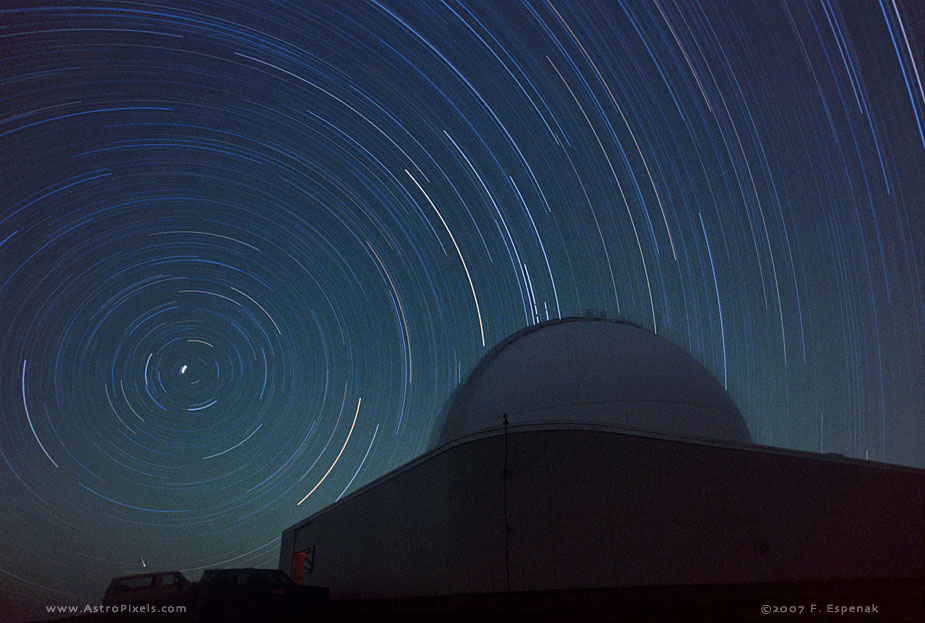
(225,222)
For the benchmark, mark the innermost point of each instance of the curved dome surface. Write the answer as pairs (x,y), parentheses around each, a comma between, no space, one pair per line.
(592,371)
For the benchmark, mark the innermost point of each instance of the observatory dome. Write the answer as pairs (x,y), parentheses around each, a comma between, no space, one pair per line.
(592,371)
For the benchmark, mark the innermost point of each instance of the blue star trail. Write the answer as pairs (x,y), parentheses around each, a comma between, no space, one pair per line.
(248,249)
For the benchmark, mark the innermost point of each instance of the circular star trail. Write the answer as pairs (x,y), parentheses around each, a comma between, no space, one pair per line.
(247,250)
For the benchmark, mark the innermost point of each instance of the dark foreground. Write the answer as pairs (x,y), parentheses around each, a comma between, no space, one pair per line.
(843,600)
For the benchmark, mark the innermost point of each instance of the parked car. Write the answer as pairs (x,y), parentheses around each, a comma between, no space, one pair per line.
(253,595)
(160,588)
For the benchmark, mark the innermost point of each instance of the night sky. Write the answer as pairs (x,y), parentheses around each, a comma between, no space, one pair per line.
(247,252)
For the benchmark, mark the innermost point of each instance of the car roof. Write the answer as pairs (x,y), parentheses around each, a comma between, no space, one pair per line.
(239,570)
(144,575)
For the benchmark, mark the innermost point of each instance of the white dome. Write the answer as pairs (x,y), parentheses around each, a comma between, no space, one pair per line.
(592,371)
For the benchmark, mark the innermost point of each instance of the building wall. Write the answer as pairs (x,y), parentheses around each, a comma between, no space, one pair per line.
(588,509)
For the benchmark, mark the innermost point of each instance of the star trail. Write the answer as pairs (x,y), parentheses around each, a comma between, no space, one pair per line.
(247,250)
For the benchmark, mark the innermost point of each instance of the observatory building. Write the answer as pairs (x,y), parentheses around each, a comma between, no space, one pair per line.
(586,456)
